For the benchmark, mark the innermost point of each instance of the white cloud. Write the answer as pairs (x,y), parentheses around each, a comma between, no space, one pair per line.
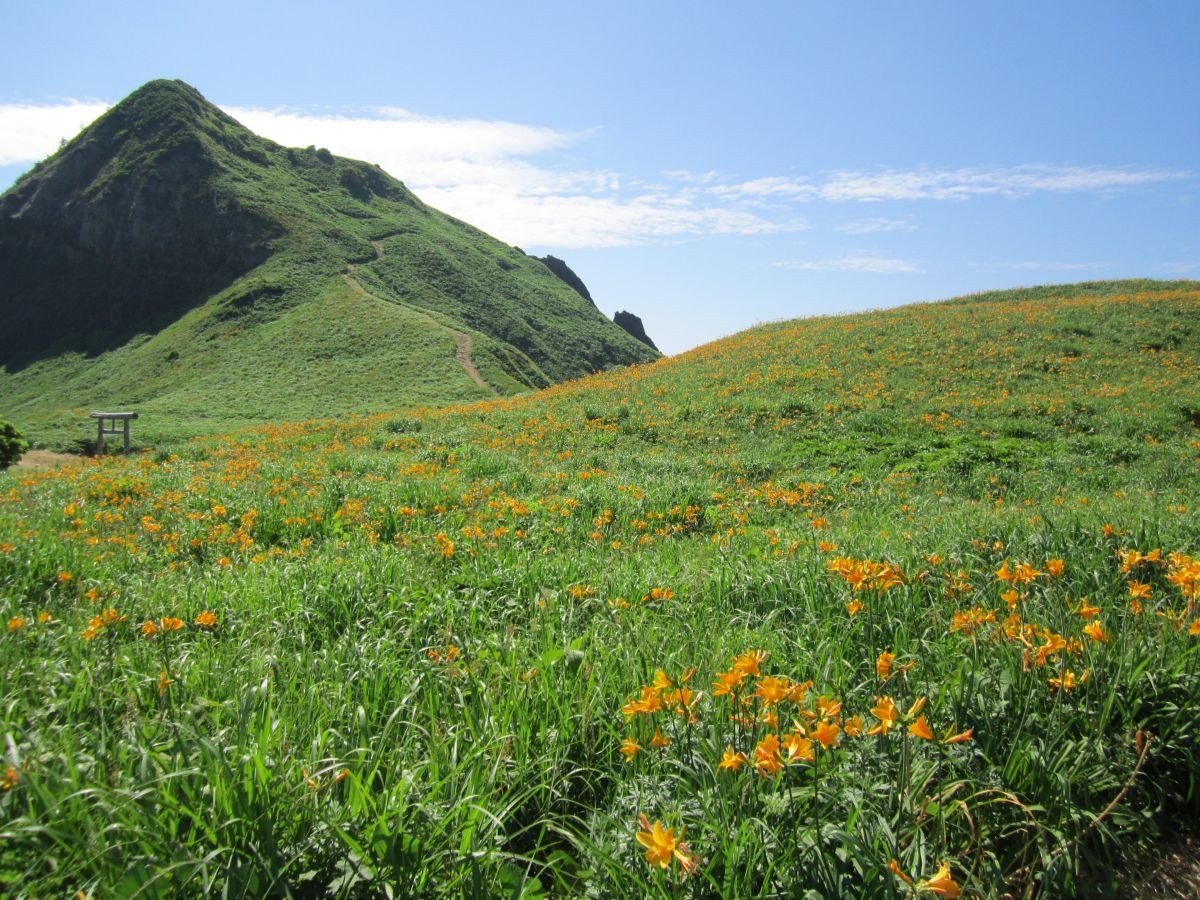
(31,132)
(513,179)
(477,170)
(693,177)
(924,184)
(962,184)
(396,134)
(774,186)
(876,265)
(933,184)
(874,226)
(589,221)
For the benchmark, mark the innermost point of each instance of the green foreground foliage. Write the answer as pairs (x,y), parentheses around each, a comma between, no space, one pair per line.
(12,444)
(462,652)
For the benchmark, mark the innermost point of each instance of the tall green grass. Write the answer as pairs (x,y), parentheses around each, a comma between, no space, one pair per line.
(427,626)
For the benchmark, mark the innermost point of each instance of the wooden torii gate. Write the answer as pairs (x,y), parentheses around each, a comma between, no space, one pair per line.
(114,429)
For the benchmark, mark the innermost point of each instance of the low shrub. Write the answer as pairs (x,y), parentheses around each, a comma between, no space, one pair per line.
(12,444)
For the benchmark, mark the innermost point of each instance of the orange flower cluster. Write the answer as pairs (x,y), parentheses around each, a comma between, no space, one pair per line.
(446,656)
(865,575)
(889,716)
(663,695)
(760,705)
(1021,573)
(778,725)
(106,622)
(1043,646)
(1184,572)
(102,623)
(968,621)
(167,623)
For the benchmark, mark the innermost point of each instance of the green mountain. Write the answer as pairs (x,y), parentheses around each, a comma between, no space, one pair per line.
(172,261)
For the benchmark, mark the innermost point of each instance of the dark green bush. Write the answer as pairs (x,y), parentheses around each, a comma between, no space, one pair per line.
(12,445)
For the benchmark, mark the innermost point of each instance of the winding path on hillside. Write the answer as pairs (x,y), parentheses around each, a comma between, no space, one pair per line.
(462,341)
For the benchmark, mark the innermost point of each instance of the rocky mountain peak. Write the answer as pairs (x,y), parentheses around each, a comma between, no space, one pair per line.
(633,326)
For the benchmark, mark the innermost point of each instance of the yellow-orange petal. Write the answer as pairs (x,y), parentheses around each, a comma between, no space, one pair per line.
(920,728)
(942,883)
(961,738)
(894,866)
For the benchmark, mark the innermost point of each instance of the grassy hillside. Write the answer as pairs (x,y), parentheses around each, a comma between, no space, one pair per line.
(877,605)
(168,259)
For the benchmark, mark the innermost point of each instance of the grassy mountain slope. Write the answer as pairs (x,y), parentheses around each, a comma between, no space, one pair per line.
(171,260)
(429,649)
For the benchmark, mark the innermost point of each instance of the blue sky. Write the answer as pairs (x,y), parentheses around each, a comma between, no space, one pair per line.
(704,166)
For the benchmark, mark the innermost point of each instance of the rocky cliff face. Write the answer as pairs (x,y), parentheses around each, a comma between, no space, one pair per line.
(568,276)
(96,245)
(633,325)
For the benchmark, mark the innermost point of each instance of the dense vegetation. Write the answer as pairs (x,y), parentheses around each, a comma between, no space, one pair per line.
(12,444)
(170,260)
(885,604)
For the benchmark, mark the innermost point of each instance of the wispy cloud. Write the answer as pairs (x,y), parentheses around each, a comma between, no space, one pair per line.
(523,182)
(1177,268)
(773,186)
(577,220)
(946,184)
(486,172)
(693,177)
(875,226)
(431,151)
(963,184)
(877,265)
(493,174)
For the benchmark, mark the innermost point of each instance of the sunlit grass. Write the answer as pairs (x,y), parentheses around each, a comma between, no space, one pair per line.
(478,651)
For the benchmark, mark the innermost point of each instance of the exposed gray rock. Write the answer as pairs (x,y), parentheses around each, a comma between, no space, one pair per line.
(633,325)
(564,272)
(96,245)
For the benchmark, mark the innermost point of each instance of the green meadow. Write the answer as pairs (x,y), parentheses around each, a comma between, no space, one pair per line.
(893,604)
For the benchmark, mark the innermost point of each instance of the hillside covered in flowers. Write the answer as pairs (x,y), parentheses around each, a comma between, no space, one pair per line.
(894,604)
